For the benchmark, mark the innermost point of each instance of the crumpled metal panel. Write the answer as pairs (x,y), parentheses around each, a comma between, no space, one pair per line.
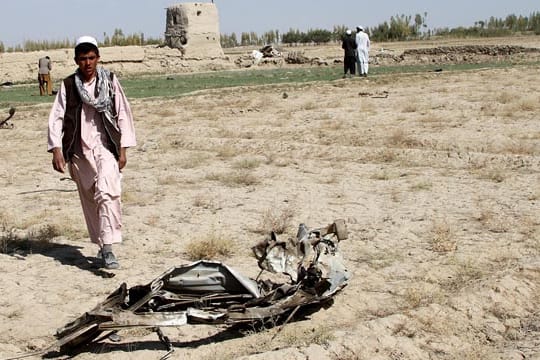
(213,293)
(205,276)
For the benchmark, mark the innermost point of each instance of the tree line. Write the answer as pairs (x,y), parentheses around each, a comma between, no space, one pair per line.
(398,28)
(511,24)
(118,38)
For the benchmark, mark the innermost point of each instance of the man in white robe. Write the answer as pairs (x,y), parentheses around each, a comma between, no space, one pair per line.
(362,51)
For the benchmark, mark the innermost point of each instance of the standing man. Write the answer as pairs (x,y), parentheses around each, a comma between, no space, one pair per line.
(90,128)
(362,40)
(44,75)
(349,46)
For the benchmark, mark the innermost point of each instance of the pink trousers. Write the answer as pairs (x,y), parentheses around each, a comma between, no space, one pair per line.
(99,183)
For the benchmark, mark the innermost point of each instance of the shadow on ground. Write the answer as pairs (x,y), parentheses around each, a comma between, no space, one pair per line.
(68,255)
(106,342)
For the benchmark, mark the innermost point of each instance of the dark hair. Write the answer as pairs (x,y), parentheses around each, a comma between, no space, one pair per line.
(84,48)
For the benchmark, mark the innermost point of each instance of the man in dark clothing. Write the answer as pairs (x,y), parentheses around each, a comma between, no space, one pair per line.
(349,46)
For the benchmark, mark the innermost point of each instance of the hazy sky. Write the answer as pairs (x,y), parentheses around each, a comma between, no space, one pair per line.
(52,20)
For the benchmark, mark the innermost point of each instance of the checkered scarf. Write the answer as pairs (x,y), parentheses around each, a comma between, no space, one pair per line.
(105,94)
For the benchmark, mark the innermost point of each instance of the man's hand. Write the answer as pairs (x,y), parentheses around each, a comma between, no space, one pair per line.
(58,162)
(122,158)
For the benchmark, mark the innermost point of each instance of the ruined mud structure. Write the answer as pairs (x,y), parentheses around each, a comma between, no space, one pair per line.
(465,54)
(194,29)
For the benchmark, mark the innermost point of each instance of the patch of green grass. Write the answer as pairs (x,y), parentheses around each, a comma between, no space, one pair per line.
(146,86)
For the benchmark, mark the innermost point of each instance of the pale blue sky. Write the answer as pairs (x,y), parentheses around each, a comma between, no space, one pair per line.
(52,20)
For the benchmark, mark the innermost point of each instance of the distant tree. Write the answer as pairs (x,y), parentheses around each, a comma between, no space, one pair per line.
(254,39)
(228,41)
(511,22)
(270,37)
(117,38)
(319,36)
(381,32)
(292,37)
(418,21)
(420,24)
(338,32)
(244,39)
(398,28)
(534,23)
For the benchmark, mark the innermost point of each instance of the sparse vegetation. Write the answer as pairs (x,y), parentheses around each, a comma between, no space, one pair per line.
(117,39)
(438,248)
(210,246)
(236,178)
(32,240)
(442,238)
(246,163)
(276,219)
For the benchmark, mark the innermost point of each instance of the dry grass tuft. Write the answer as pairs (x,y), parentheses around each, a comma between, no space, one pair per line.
(168,180)
(410,108)
(45,233)
(465,272)
(382,175)
(192,161)
(309,105)
(36,239)
(519,148)
(421,185)
(421,295)
(164,112)
(505,97)
(400,138)
(237,178)
(386,155)
(492,174)
(276,220)
(5,221)
(413,297)
(528,104)
(246,163)
(204,201)
(320,335)
(210,246)
(227,152)
(133,196)
(442,238)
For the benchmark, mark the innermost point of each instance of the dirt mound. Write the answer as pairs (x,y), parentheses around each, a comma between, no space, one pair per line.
(496,50)
(466,54)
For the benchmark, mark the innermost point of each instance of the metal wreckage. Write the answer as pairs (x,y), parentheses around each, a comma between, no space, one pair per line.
(209,292)
(5,124)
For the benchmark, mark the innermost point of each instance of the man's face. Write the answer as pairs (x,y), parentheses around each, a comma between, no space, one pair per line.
(87,63)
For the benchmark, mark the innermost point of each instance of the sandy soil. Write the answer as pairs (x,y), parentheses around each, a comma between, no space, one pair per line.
(437,176)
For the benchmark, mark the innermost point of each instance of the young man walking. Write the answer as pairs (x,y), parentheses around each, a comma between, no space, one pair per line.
(90,128)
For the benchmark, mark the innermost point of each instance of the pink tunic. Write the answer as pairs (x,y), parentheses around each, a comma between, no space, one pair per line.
(96,172)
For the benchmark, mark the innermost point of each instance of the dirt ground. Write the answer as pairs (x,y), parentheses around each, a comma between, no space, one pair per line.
(436,174)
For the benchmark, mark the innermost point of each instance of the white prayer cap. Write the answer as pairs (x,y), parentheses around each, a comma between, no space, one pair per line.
(86,39)
(360,27)
(348,32)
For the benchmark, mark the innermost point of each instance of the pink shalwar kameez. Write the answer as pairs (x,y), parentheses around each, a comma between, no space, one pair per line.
(96,171)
